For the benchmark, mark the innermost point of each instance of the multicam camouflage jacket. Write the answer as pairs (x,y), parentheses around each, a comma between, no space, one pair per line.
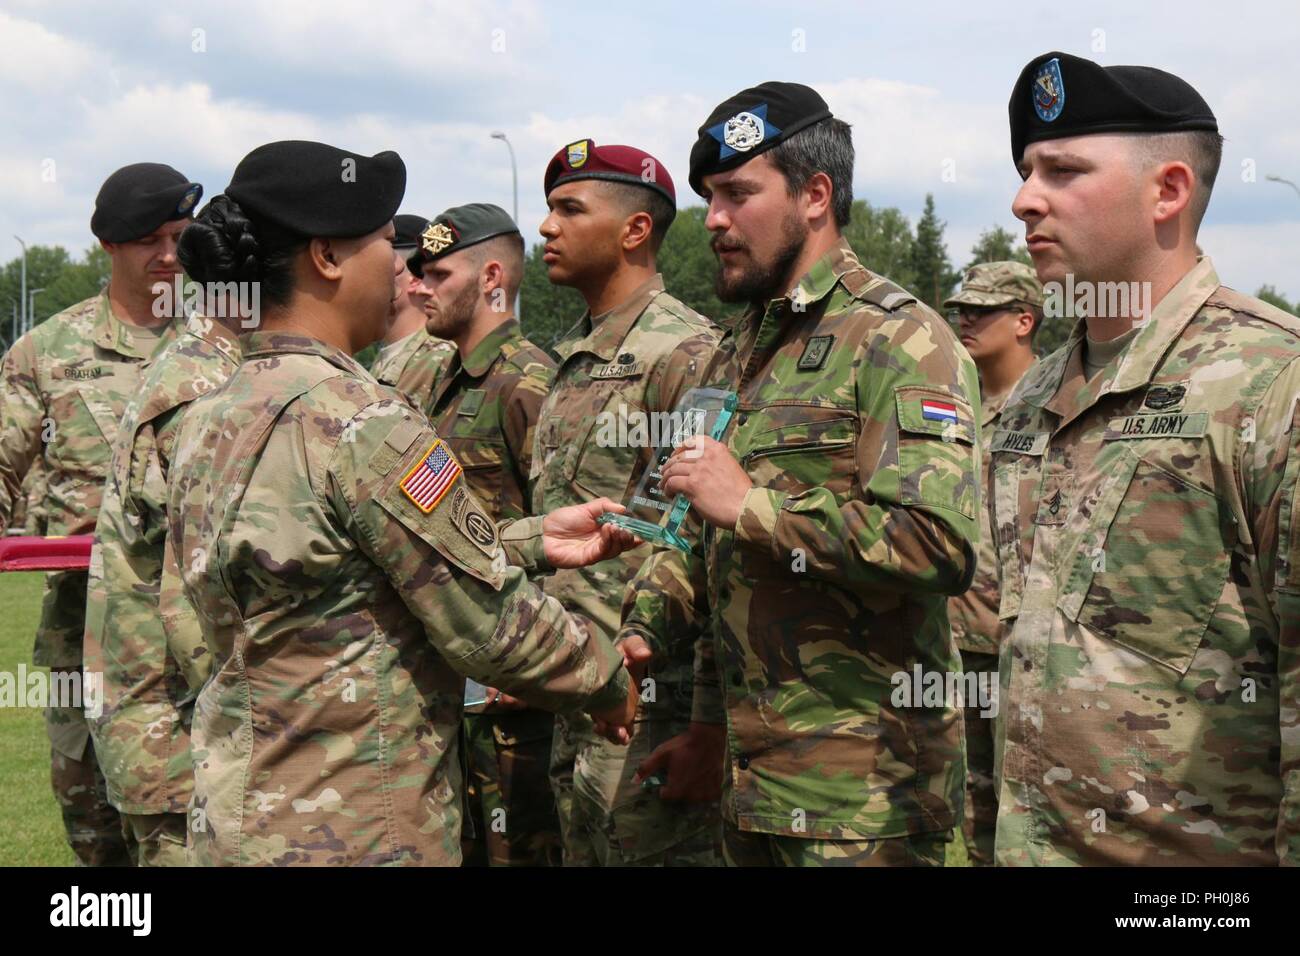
(638,359)
(346,582)
(974,614)
(857,425)
(414,365)
(486,407)
(142,736)
(1150,569)
(63,389)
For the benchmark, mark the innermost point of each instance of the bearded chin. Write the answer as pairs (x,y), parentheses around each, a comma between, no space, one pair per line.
(762,281)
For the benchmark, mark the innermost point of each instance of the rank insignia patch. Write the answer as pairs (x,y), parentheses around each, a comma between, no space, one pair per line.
(815,352)
(427,482)
(1049,91)
(437,237)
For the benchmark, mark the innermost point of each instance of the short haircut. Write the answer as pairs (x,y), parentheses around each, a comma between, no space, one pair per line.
(825,147)
(632,199)
(1200,149)
(507,249)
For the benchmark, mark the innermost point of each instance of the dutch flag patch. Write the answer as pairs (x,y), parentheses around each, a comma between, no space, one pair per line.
(938,411)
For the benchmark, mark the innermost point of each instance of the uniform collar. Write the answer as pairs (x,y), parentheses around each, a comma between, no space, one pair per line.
(215,334)
(262,344)
(813,286)
(992,405)
(109,332)
(1168,320)
(1063,388)
(481,357)
(605,333)
(825,274)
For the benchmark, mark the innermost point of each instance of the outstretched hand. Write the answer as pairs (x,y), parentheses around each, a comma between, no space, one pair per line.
(571,537)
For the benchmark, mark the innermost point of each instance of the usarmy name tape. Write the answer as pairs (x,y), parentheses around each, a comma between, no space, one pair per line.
(1172,425)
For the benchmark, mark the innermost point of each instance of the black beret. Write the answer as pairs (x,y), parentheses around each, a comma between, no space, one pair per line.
(459,228)
(750,122)
(317,190)
(408,230)
(1059,95)
(139,198)
(620,164)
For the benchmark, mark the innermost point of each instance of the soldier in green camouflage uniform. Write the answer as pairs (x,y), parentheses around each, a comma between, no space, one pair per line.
(999,309)
(142,737)
(410,359)
(343,576)
(1144,495)
(63,389)
(840,512)
(635,353)
(486,405)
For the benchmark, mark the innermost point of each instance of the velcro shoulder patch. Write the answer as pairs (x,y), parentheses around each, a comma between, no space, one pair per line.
(926,410)
(395,446)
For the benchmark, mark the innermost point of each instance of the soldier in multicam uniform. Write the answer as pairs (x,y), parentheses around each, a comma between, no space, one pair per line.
(338,565)
(636,352)
(410,359)
(1144,496)
(999,309)
(485,405)
(142,737)
(63,389)
(840,512)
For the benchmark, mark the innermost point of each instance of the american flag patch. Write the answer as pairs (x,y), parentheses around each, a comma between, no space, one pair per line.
(938,411)
(427,482)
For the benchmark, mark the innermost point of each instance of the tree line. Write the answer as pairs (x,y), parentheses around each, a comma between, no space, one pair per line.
(884,239)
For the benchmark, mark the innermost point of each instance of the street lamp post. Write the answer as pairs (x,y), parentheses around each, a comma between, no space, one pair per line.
(22,295)
(1279,179)
(31,308)
(514,177)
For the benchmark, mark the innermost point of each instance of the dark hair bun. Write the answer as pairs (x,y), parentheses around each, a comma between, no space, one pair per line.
(220,245)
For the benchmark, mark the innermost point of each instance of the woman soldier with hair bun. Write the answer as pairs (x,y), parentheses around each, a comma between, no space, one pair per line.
(344,578)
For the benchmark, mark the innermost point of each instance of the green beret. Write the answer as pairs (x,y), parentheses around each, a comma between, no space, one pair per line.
(459,228)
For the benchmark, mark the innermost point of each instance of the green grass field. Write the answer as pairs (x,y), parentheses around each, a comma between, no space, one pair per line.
(31,831)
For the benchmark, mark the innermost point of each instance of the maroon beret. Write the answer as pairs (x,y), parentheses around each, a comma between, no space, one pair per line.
(620,164)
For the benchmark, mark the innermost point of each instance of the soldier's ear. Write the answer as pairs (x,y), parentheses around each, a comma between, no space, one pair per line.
(324,258)
(636,230)
(492,277)
(818,192)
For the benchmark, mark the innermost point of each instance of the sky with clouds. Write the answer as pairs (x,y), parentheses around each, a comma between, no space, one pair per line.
(86,87)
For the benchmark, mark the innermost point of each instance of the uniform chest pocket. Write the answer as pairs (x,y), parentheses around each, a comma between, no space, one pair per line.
(809,447)
(610,444)
(1150,562)
(79,428)
(1014,478)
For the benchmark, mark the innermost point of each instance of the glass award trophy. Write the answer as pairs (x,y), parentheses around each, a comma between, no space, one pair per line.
(651,515)
(475,695)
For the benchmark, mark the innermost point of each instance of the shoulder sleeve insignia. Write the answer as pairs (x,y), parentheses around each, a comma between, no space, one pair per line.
(427,482)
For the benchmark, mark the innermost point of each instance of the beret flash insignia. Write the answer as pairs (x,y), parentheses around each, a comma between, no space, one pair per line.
(437,237)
